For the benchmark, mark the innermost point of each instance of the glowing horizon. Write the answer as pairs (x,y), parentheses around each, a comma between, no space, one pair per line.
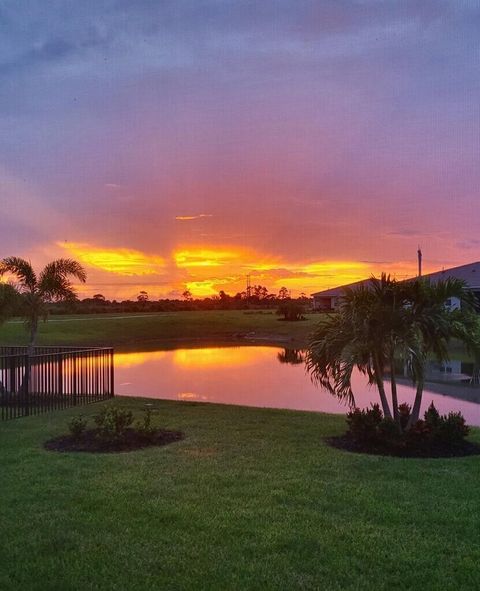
(204,271)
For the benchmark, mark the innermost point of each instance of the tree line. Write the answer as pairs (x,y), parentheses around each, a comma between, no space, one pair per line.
(259,298)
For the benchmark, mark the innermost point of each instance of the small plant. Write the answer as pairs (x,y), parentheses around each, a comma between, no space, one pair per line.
(77,427)
(452,429)
(144,425)
(432,417)
(363,424)
(389,434)
(404,410)
(113,422)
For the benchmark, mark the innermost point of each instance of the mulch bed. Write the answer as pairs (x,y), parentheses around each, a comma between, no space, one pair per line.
(91,442)
(346,443)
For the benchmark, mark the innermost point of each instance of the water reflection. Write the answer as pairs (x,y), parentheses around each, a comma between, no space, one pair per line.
(259,376)
(292,356)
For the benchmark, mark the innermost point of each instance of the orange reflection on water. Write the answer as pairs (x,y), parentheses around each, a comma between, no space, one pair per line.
(125,360)
(218,357)
(191,396)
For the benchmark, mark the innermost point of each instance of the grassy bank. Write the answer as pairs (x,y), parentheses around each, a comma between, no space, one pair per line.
(251,499)
(168,329)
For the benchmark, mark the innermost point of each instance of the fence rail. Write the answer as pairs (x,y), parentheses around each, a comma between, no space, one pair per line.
(51,378)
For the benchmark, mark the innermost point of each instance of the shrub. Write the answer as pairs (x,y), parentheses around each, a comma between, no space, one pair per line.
(432,417)
(404,410)
(145,426)
(291,310)
(369,427)
(113,422)
(419,435)
(388,433)
(363,424)
(77,427)
(452,429)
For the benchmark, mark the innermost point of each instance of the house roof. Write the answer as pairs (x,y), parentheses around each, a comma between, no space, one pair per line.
(469,273)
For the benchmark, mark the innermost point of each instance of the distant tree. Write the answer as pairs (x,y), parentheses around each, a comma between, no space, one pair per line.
(291,356)
(291,310)
(98,297)
(260,292)
(283,293)
(52,285)
(187,295)
(142,297)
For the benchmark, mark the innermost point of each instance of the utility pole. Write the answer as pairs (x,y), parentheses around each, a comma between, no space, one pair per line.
(419,253)
(249,288)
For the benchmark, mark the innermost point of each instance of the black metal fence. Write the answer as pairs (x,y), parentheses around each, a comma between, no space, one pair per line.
(53,378)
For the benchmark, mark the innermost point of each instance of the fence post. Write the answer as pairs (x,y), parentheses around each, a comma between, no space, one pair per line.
(26,384)
(60,375)
(112,374)
(74,375)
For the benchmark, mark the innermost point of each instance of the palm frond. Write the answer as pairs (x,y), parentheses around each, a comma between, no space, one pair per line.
(54,282)
(22,270)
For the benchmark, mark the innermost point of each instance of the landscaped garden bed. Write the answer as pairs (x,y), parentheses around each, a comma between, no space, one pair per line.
(114,433)
(92,442)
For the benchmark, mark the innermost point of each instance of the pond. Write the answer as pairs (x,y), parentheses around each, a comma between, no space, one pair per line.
(260,376)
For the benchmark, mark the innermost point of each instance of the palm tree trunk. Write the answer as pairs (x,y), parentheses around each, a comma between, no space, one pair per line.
(393,384)
(30,352)
(381,388)
(416,405)
(33,335)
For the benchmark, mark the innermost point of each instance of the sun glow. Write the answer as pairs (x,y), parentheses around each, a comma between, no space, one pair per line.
(205,257)
(204,270)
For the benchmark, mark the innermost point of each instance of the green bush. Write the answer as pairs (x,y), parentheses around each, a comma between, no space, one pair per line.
(370,427)
(113,422)
(144,425)
(432,417)
(452,429)
(404,410)
(363,424)
(77,427)
(388,433)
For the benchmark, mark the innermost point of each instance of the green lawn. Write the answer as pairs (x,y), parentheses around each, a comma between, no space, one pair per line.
(141,330)
(251,499)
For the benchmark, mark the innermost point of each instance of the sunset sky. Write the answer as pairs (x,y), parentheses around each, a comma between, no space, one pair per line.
(181,144)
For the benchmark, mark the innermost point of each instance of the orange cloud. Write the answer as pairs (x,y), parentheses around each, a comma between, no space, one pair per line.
(207,257)
(121,261)
(183,218)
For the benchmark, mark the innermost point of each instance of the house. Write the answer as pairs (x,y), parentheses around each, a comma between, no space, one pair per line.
(329,299)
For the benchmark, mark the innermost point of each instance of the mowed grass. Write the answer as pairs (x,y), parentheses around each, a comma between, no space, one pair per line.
(251,499)
(131,330)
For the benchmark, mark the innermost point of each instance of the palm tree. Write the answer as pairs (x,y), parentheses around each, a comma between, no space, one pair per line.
(357,337)
(385,321)
(433,325)
(52,285)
